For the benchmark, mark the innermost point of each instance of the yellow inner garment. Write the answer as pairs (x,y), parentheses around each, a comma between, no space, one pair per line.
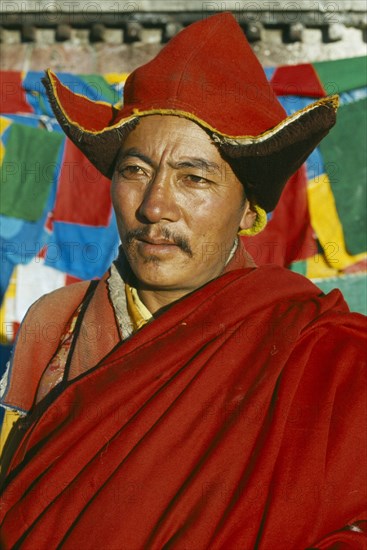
(10,417)
(138,313)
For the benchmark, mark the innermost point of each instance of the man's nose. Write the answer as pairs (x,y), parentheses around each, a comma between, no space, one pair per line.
(159,200)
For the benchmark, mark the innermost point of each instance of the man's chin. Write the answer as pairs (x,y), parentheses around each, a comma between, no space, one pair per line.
(151,268)
(153,275)
(165,270)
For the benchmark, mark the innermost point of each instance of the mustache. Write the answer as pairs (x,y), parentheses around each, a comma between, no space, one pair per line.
(144,232)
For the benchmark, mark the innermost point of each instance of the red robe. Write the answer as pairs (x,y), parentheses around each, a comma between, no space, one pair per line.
(235,420)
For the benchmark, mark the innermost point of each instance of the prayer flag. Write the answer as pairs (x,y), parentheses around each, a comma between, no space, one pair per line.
(342,75)
(27,171)
(344,152)
(298,80)
(13,97)
(83,194)
(82,251)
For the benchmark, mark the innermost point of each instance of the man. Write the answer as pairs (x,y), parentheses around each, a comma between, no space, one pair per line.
(194,400)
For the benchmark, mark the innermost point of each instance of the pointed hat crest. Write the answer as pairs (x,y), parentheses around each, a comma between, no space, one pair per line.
(207,73)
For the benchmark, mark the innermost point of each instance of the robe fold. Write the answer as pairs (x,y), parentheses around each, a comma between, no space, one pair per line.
(235,420)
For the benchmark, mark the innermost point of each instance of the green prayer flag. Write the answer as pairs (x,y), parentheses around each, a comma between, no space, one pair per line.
(27,171)
(344,151)
(104,91)
(300,266)
(353,288)
(342,75)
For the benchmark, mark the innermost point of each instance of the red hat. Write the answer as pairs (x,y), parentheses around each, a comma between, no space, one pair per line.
(207,73)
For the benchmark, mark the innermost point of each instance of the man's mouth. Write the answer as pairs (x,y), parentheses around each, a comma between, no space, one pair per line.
(157,241)
(156,247)
(166,241)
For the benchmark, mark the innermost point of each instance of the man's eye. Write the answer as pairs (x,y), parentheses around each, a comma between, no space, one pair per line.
(196,180)
(132,171)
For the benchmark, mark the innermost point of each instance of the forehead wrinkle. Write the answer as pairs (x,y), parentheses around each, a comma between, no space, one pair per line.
(196,162)
(176,147)
(134,152)
(186,162)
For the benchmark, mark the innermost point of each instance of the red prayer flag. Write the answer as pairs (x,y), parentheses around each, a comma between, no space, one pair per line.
(13,97)
(301,80)
(83,194)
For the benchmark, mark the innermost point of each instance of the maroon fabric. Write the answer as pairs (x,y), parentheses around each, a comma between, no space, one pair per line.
(46,322)
(352,538)
(37,340)
(234,420)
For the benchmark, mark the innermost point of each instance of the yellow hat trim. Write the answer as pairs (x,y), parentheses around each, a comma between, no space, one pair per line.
(332,101)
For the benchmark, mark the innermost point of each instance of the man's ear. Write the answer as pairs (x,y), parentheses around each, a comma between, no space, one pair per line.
(248,217)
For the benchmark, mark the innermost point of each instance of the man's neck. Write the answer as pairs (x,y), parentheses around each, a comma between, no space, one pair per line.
(155,300)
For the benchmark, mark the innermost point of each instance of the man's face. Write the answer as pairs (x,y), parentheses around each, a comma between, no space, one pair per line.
(178,204)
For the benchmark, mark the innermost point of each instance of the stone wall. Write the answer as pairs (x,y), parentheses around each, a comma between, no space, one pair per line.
(85,36)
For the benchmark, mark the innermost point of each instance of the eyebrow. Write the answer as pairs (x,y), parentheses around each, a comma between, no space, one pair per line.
(196,162)
(191,162)
(133,152)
